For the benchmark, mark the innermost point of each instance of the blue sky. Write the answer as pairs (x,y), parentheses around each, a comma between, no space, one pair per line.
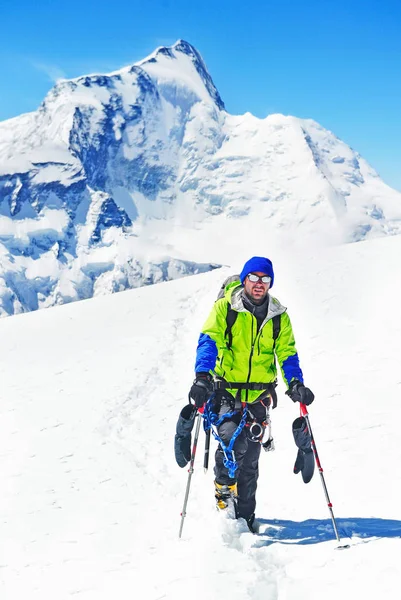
(336,62)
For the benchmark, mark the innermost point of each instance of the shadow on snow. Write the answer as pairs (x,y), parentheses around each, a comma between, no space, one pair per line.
(314,531)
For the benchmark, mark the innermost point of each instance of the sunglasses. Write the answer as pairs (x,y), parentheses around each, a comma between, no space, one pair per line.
(254,278)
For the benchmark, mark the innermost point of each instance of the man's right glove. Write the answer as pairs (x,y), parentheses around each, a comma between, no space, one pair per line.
(299,393)
(202,389)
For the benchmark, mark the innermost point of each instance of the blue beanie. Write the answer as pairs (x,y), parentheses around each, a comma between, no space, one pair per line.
(258,263)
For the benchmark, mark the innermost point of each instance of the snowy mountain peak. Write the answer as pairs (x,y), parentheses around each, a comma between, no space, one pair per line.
(140,175)
(182,61)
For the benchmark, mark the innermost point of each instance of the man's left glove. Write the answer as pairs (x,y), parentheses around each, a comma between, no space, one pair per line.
(299,393)
(202,389)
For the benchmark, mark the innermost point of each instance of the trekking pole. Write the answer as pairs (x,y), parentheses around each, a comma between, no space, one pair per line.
(305,414)
(207,448)
(190,471)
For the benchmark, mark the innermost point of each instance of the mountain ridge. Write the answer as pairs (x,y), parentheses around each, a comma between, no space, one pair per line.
(103,175)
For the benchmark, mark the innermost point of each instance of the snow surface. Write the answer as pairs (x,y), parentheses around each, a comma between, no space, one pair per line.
(90,492)
(145,167)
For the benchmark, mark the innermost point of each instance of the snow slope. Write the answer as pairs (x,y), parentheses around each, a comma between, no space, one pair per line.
(102,187)
(91,495)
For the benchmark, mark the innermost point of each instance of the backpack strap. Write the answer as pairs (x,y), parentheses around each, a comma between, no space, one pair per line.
(276,328)
(231,317)
(276,332)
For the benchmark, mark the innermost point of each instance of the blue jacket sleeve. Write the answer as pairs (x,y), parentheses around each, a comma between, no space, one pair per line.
(291,369)
(206,354)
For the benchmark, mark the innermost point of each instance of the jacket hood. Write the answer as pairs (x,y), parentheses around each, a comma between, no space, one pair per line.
(234,295)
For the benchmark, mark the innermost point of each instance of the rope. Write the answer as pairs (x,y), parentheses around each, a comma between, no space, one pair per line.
(212,421)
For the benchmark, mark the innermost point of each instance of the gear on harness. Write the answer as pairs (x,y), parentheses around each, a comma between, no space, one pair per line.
(257,429)
(212,421)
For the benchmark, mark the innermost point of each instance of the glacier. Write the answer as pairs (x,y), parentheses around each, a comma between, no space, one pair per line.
(121,180)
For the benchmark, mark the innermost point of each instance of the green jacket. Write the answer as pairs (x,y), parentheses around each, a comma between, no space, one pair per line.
(251,358)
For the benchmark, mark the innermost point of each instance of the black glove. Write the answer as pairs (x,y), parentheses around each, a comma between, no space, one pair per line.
(202,389)
(182,439)
(299,393)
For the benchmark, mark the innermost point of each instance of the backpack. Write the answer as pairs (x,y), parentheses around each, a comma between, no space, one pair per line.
(232,314)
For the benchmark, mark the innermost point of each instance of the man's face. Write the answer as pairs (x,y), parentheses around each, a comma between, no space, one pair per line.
(256,290)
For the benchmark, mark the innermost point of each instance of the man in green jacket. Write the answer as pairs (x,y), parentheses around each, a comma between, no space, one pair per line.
(236,367)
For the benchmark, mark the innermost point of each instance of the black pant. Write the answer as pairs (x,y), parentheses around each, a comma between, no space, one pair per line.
(246,453)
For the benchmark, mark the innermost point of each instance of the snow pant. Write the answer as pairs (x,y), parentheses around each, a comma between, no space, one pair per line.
(246,453)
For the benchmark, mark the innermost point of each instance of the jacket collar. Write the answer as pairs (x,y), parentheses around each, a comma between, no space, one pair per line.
(235,297)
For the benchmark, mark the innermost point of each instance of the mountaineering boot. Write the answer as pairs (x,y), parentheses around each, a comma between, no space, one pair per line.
(253,524)
(225,493)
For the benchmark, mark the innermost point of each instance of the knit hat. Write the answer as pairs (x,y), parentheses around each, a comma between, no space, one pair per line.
(258,263)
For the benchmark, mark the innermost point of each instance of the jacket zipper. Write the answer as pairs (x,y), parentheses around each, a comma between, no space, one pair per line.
(260,332)
(250,359)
